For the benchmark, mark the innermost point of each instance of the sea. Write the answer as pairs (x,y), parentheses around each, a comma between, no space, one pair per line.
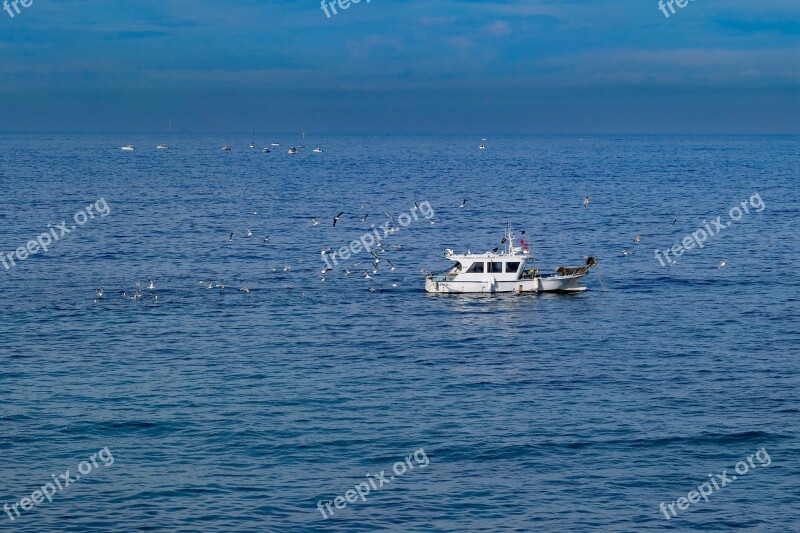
(663,398)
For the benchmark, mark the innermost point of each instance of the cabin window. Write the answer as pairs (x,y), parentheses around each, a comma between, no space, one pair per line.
(495,267)
(476,268)
(511,268)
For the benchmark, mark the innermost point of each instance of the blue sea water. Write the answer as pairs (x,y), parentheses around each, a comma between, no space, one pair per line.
(226,411)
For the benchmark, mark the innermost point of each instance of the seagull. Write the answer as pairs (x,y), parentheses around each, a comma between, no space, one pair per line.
(336,218)
(390,264)
(326,268)
(463,204)
(375,255)
(638,238)
(673,223)
(674,262)
(266,239)
(721,264)
(416,206)
(585,201)
(95,301)
(628,252)
(375,265)
(287,268)
(151,286)
(314,221)
(245,290)
(230,239)
(364,218)
(100,292)
(390,216)
(346,271)
(221,286)
(249,233)
(366,275)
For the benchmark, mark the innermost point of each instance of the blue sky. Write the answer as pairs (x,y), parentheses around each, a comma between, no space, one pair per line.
(429,66)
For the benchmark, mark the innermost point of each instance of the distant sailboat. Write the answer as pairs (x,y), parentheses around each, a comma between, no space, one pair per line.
(253,142)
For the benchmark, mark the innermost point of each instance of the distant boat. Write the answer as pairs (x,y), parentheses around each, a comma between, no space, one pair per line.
(253,142)
(482,147)
(128,148)
(276,143)
(292,151)
(161,147)
(226,148)
(265,150)
(317,150)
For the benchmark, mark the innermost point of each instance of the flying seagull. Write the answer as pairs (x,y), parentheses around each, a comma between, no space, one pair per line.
(337,217)
(463,204)
(721,264)
(585,201)
(314,221)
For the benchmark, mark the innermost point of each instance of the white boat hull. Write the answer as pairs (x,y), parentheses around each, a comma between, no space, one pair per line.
(538,284)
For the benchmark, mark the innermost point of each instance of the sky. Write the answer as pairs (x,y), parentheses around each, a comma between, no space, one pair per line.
(411,66)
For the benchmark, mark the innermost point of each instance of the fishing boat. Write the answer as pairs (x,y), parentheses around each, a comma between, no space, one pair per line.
(226,148)
(265,150)
(291,151)
(511,270)
(317,150)
(128,148)
(161,147)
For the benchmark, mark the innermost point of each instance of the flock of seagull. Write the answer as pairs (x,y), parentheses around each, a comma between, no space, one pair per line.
(369,271)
